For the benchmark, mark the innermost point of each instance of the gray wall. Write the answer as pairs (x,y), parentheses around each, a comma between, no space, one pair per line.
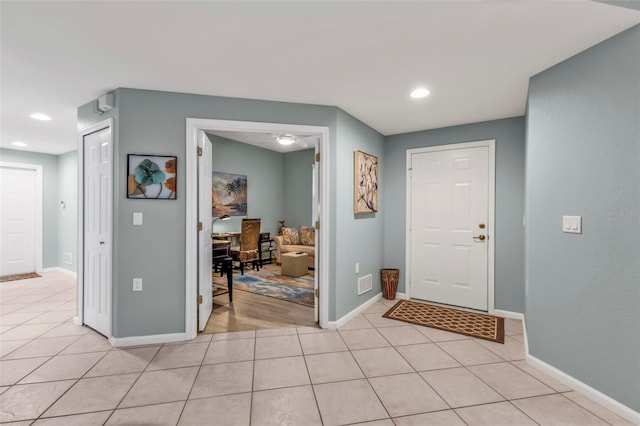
(583,158)
(509,234)
(265,173)
(359,238)
(297,188)
(50,202)
(68,217)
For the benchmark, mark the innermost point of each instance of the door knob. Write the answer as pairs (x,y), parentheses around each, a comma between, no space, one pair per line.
(481,226)
(479,237)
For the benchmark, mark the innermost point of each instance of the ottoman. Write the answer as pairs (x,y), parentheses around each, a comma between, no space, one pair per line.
(294,264)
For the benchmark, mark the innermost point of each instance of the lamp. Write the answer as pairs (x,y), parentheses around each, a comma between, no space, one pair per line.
(223,217)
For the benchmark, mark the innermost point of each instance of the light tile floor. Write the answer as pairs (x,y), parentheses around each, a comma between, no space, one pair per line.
(372,371)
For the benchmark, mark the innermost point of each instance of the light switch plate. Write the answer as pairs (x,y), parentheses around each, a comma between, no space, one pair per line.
(137,218)
(137,284)
(572,224)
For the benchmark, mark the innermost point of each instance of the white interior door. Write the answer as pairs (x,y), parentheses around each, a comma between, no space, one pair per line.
(97,230)
(18,220)
(205,290)
(314,211)
(449,224)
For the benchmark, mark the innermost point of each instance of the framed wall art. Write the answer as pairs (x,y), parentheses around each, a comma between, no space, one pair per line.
(151,177)
(366,183)
(228,194)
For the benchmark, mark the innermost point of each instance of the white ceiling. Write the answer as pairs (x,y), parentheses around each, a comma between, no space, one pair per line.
(364,57)
(269,140)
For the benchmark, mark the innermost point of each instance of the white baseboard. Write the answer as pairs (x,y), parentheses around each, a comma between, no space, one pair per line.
(508,314)
(402,296)
(77,321)
(154,339)
(332,325)
(59,269)
(591,393)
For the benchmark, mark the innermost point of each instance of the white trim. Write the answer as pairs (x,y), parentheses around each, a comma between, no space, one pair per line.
(491,144)
(60,269)
(332,325)
(108,123)
(509,314)
(402,296)
(151,339)
(193,126)
(38,205)
(591,393)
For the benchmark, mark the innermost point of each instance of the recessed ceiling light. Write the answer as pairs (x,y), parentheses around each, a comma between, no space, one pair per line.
(420,92)
(40,116)
(286,139)
(18,143)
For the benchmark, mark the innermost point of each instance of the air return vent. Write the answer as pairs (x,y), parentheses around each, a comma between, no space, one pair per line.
(365,284)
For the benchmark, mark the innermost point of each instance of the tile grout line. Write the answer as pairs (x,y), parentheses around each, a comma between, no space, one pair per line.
(311,384)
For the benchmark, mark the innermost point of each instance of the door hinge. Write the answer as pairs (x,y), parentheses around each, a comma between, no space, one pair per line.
(199,226)
(317,224)
(317,157)
(199,151)
(199,299)
(317,292)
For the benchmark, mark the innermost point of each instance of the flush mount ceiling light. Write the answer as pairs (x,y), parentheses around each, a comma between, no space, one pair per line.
(20,144)
(40,116)
(286,139)
(420,92)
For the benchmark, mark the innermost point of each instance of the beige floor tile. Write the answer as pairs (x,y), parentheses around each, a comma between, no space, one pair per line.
(511,349)
(439,418)
(223,379)
(7,309)
(4,388)
(311,330)
(175,356)
(509,381)
(23,402)
(318,343)
(597,409)
(88,343)
(89,419)
(18,318)
(26,331)
(368,338)
(250,334)
(42,307)
(93,394)
(41,347)
(518,337)
(4,328)
(385,422)
(228,410)
(378,321)
(156,415)
(64,367)
(469,352)
(11,345)
(279,373)
(498,414)
(12,371)
(427,356)
(376,308)
(436,335)
(124,361)
(52,317)
(460,388)
(279,346)
(405,335)
(348,402)
(512,326)
(381,362)
(356,323)
(156,387)
(556,410)
(274,332)
(333,367)
(286,406)
(68,329)
(221,351)
(406,394)
(549,381)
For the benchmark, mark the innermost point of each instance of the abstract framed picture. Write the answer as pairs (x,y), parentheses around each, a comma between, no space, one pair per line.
(365,190)
(151,177)
(228,194)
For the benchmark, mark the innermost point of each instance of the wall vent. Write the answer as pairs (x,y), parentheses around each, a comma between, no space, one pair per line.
(365,284)
(67,258)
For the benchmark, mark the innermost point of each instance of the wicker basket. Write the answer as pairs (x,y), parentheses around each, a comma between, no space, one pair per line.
(389,279)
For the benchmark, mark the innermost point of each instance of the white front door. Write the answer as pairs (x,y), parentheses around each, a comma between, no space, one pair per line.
(17,220)
(205,290)
(97,230)
(448,226)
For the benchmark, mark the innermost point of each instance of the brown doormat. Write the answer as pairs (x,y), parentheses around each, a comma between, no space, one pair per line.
(472,324)
(16,277)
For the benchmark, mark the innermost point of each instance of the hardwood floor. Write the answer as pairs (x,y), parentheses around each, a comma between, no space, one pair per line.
(251,311)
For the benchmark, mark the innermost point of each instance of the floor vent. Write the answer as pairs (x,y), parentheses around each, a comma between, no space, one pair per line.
(365,284)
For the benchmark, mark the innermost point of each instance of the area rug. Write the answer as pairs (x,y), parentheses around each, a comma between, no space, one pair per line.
(296,290)
(16,277)
(458,321)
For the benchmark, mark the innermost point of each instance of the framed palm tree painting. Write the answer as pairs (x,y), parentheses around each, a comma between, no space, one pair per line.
(228,194)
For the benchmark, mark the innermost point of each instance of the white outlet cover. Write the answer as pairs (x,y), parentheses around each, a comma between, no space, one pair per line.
(137,218)
(572,224)
(137,284)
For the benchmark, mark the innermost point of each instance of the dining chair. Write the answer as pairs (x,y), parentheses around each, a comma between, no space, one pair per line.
(247,251)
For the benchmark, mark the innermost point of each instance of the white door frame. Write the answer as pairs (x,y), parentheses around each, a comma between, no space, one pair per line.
(194,126)
(38,231)
(491,144)
(79,319)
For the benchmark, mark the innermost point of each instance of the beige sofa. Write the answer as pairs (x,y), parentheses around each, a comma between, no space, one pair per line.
(292,248)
